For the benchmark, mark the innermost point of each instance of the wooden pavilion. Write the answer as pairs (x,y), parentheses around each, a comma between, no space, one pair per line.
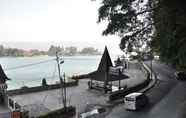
(102,78)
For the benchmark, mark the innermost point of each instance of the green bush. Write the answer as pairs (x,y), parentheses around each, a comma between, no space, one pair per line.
(44,82)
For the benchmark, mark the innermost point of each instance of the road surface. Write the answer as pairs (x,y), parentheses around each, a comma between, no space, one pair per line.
(167,98)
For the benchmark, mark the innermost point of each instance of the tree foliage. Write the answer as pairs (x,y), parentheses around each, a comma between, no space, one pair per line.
(72,50)
(53,49)
(159,24)
(89,51)
(170,35)
(10,51)
(129,19)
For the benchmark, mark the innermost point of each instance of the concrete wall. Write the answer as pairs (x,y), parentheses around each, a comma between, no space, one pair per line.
(26,90)
(123,93)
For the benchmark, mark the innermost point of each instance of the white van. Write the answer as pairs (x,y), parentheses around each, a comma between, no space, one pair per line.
(135,101)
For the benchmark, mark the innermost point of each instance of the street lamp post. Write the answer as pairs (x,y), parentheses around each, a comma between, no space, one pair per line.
(62,82)
(64,88)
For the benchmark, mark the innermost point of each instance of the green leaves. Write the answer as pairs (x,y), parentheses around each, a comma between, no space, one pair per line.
(125,19)
(138,22)
(170,32)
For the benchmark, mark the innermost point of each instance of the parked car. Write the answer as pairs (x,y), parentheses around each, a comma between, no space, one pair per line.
(180,75)
(135,101)
(92,112)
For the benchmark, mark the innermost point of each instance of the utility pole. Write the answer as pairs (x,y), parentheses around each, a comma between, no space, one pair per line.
(64,88)
(62,82)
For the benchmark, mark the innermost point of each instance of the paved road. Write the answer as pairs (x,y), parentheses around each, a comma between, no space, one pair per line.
(167,98)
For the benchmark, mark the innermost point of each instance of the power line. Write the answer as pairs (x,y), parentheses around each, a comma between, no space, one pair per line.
(27,65)
(51,78)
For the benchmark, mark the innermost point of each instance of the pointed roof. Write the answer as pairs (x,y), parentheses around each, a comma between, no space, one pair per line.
(103,68)
(105,62)
(3,76)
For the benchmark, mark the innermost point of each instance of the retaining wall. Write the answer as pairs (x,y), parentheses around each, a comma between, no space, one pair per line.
(122,93)
(26,90)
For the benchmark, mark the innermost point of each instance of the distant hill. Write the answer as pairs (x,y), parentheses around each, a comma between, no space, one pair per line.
(68,51)
(72,50)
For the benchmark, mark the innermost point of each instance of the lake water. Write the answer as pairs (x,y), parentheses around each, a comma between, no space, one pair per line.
(33,75)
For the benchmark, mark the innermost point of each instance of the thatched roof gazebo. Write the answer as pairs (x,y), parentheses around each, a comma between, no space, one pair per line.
(102,72)
(105,72)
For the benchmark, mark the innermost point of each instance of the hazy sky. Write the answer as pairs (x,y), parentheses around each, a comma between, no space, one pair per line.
(39,23)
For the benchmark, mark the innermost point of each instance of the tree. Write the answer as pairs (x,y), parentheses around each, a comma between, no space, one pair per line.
(53,49)
(159,24)
(1,50)
(89,50)
(170,37)
(129,19)
(71,50)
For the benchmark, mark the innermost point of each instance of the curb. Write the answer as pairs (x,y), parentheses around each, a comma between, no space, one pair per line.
(153,80)
(143,87)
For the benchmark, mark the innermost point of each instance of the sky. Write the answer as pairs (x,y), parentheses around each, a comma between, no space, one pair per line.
(39,23)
